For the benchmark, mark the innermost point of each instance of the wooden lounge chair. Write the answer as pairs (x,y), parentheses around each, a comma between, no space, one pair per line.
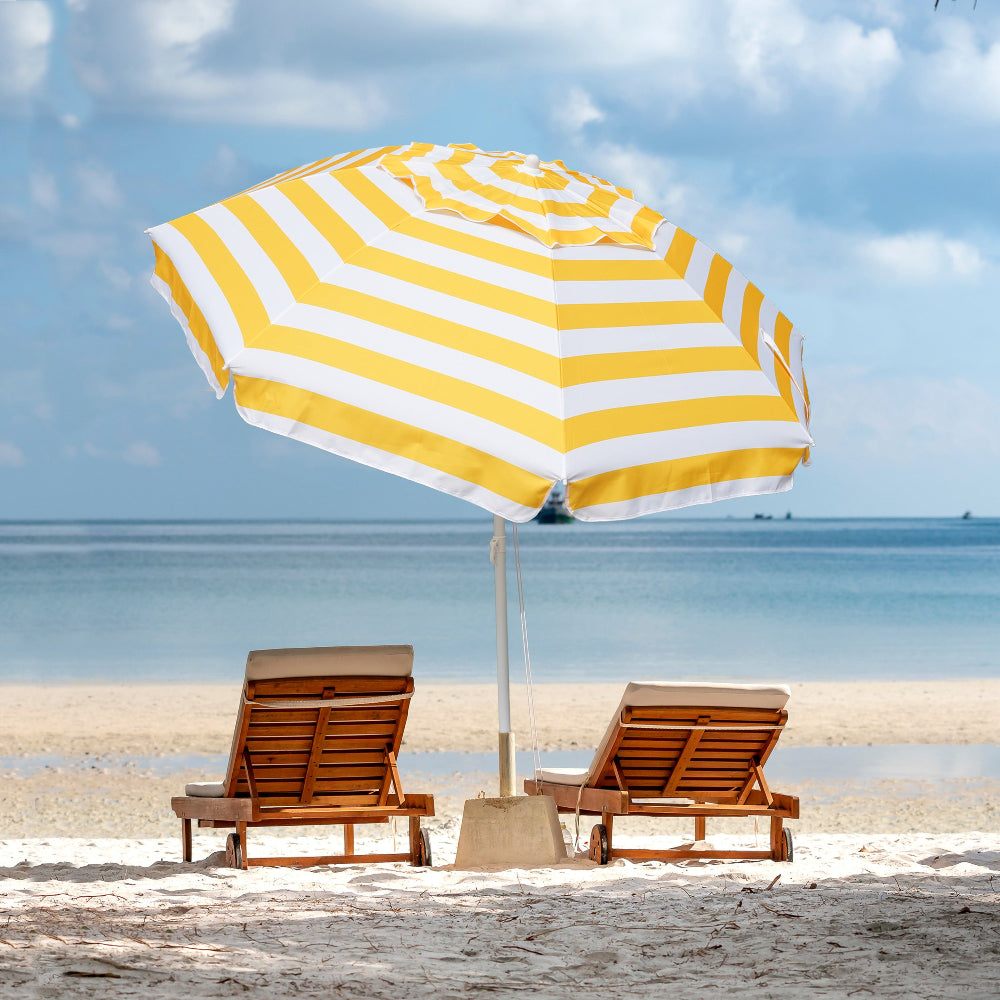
(675,749)
(316,740)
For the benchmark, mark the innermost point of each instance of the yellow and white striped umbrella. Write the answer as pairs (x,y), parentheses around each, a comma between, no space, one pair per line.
(489,325)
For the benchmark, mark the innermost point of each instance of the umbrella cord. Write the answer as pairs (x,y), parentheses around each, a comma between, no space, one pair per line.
(536,760)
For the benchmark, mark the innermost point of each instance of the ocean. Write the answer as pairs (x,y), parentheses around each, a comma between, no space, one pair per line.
(767,600)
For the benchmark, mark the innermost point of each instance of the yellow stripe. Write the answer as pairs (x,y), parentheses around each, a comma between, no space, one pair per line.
(681,474)
(585,316)
(474,290)
(409,443)
(238,289)
(623,421)
(750,320)
(329,223)
(539,264)
(782,338)
(643,267)
(679,254)
(416,380)
(196,322)
(715,284)
(643,364)
(275,242)
(435,330)
(598,204)
(369,194)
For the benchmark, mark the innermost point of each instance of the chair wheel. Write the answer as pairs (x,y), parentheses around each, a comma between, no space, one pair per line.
(788,852)
(234,851)
(599,844)
(424,858)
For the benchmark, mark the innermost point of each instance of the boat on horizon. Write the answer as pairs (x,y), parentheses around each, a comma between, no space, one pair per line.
(555,510)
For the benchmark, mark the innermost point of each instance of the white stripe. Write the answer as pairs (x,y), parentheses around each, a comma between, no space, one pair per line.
(203,287)
(627,339)
(441,306)
(732,303)
(683,442)
(407,408)
(599,292)
(684,498)
(698,267)
(401,193)
(435,357)
(501,276)
(199,355)
(388,462)
(605,252)
(768,316)
(596,396)
(267,280)
(356,214)
(313,245)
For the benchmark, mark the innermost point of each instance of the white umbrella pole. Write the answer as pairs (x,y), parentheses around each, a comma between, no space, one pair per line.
(498,556)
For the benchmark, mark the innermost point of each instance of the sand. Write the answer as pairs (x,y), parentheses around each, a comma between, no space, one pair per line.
(912,916)
(894,892)
(143,719)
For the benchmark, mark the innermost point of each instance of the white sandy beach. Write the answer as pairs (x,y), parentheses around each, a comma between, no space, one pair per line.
(911,916)
(894,891)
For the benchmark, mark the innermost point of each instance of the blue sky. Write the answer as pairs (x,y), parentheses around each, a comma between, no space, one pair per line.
(842,154)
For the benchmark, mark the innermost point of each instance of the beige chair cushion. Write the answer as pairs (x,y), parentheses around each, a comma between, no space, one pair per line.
(318,661)
(563,775)
(205,789)
(678,694)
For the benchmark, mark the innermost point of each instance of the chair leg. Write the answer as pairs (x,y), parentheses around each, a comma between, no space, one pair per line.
(699,828)
(186,838)
(608,819)
(348,838)
(241,830)
(414,840)
(777,844)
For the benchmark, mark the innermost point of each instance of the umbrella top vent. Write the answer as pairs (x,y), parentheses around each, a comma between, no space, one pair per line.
(547,200)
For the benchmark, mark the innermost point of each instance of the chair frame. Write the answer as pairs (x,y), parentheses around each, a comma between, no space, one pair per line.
(326,722)
(712,756)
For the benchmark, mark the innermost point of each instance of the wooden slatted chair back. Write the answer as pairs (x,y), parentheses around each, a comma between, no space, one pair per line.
(308,753)
(702,753)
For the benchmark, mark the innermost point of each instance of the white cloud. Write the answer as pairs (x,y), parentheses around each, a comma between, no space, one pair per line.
(653,179)
(142,453)
(139,453)
(43,190)
(961,77)
(117,277)
(902,419)
(575,112)
(923,256)
(98,185)
(25,37)
(776,48)
(162,57)
(11,455)
(354,66)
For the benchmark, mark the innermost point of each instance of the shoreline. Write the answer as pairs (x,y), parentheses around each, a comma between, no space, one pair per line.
(150,718)
(107,737)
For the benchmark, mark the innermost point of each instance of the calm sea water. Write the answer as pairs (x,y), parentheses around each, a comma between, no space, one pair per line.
(717,599)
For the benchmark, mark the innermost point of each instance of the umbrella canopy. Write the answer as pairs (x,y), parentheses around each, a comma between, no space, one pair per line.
(489,325)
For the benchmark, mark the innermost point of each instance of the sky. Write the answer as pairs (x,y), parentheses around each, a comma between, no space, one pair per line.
(843,155)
